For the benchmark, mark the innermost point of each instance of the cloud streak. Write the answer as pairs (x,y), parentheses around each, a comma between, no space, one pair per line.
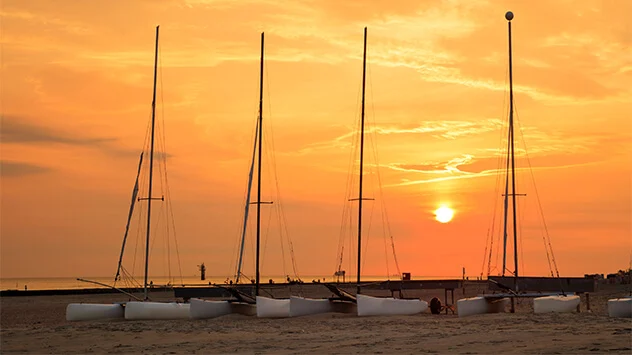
(19,131)
(455,169)
(329,32)
(16,130)
(449,130)
(18,169)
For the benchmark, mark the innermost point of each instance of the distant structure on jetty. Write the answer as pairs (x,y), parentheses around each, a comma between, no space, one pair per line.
(202,269)
(620,277)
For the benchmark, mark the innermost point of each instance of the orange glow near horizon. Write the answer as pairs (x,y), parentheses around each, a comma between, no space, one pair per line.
(76,89)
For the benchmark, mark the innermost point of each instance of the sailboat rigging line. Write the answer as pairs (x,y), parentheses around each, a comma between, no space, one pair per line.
(346,207)
(282,246)
(247,206)
(386,227)
(399,271)
(537,195)
(499,161)
(488,245)
(140,210)
(521,235)
(169,203)
(282,218)
(386,259)
(377,172)
(141,214)
(166,254)
(368,234)
(506,205)
(112,287)
(129,279)
(239,249)
(266,234)
(129,218)
(157,222)
(353,241)
(166,267)
(269,158)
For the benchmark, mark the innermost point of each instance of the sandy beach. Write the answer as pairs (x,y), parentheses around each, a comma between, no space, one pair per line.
(37,325)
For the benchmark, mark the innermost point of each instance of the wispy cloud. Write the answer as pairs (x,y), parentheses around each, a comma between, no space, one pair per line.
(458,167)
(419,36)
(71,27)
(544,152)
(438,129)
(16,130)
(17,169)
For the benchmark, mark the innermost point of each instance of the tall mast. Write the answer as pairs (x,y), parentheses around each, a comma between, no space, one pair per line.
(511,159)
(361,164)
(151,163)
(259,165)
(509,17)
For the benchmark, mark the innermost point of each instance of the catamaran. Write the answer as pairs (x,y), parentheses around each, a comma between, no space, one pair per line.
(141,308)
(265,307)
(496,303)
(362,305)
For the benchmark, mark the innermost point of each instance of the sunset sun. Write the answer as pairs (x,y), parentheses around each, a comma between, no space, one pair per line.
(444,214)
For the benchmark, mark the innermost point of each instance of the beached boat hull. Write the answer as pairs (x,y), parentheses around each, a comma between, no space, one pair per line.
(94,311)
(300,306)
(559,304)
(388,306)
(156,310)
(480,305)
(202,309)
(620,307)
(272,307)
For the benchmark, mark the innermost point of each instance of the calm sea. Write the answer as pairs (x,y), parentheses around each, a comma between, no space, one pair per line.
(57,283)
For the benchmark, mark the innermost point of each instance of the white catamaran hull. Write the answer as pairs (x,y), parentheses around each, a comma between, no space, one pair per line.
(555,304)
(156,310)
(480,305)
(202,309)
(620,307)
(388,306)
(300,306)
(94,311)
(272,308)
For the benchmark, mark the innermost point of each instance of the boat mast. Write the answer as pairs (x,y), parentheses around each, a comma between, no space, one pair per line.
(129,218)
(151,163)
(509,16)
(361,163)
(260,123)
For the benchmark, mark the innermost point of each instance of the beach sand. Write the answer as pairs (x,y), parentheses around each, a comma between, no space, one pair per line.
(37,325)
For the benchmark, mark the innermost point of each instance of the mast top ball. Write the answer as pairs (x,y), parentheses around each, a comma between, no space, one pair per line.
(509,15)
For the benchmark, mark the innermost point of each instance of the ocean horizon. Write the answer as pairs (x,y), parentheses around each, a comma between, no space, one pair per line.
(61,283)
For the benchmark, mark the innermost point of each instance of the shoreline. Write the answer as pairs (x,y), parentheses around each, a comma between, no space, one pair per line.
(36,324)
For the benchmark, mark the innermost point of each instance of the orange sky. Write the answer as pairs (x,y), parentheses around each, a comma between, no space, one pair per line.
(75,94)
